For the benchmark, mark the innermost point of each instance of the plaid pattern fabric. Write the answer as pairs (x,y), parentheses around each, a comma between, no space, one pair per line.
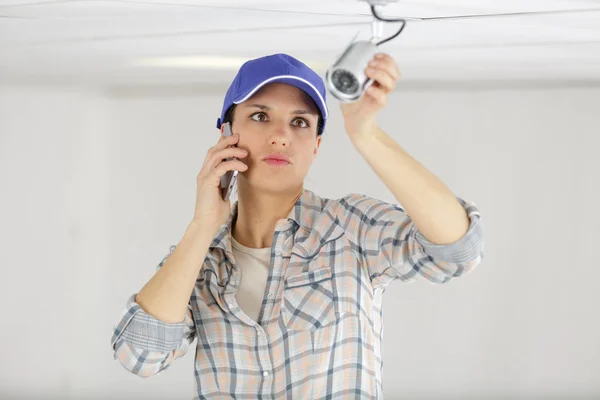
(320,328)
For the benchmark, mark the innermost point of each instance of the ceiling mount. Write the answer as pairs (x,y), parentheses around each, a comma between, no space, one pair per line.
(377,24)
(379,2)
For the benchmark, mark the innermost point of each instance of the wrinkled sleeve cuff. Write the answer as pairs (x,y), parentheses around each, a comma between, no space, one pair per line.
(142,331)
(467,248)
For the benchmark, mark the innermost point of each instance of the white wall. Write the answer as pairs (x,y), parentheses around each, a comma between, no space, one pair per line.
(52,205)
(96,186)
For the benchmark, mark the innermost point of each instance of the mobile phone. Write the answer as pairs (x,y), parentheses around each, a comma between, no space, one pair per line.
(229,178)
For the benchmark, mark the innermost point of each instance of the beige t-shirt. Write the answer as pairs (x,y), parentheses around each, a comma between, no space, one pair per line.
(254,264)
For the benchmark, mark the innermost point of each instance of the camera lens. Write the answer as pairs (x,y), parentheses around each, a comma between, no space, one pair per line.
(344,81)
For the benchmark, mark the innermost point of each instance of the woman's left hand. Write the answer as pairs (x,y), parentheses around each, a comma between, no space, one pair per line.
(359,116)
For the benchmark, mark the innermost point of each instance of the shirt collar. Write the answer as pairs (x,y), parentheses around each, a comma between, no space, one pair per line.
(304,212)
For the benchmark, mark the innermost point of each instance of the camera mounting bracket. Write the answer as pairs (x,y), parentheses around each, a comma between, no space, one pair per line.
(377,25)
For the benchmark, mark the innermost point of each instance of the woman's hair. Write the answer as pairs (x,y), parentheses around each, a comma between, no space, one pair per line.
(230,111)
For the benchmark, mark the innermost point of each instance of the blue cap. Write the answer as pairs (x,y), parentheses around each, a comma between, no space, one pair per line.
(282,68)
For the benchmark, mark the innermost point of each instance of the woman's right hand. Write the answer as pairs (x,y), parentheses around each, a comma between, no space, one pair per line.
(211,210)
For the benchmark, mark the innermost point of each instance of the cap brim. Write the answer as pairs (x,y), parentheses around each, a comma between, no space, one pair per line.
(298,82)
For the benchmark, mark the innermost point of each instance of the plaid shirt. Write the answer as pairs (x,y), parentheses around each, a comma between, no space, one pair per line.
(320,328)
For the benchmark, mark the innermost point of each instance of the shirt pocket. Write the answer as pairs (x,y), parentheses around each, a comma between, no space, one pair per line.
(308,300)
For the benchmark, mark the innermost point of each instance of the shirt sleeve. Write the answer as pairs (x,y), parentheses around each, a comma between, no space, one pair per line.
(391,246)
(145,345)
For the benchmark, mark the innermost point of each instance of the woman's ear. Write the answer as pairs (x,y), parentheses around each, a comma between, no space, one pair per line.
(222,130)
(318,144)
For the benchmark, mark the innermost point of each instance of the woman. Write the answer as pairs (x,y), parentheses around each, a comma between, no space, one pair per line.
(283,288)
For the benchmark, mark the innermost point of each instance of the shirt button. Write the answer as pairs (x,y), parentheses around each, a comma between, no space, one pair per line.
(270,295)
(230,305)
(277,251)
(265,374)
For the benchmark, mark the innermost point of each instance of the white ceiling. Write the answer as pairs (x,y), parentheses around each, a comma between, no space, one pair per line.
(191,41)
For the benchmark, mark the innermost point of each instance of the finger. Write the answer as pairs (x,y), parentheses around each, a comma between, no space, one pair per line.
(388,65)
(386,82)
(228,152)
(232,165)
(378,94)
(222,136)
(389,62)
(223,143)
(226,141)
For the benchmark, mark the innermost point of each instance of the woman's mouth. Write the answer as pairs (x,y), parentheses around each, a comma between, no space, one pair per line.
(277,160)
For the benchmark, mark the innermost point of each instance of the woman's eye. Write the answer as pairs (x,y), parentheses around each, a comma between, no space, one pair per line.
(300,123)
(259,117)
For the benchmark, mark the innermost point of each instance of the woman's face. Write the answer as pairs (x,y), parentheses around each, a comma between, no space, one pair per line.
(278,128)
